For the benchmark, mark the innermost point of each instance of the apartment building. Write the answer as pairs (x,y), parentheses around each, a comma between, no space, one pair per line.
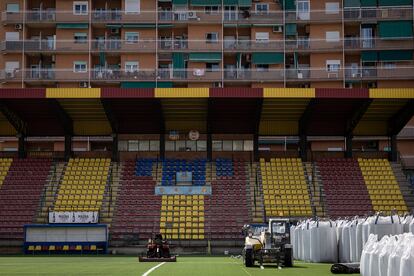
(206,43)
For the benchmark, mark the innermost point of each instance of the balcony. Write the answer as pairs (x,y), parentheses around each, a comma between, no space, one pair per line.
(313,16)
(358,43)
(205,75)
(383,13)
(380,73)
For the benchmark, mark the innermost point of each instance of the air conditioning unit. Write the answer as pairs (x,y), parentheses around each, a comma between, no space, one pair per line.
(18,27)
(83,84)
(192,15)
(114,31)
(277,29)
(332,75)
(9,75)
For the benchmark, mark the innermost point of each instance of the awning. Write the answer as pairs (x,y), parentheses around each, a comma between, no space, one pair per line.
(368,3)
(395,2)
(180,2)
(163,26)
(266,25)
(290,29)
(395,29)
(352,3)
(72,26)
(114,26)
(205,57)
(395,55)
(245,3)
(369,56)
(102,59)
(204,3)
(267,58)
(178,60)
(146,84)
(289,5)
(139,26)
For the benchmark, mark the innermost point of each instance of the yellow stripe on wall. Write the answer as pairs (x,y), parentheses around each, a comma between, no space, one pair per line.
(73,93)
(288,92)
(392,93)
(182,92)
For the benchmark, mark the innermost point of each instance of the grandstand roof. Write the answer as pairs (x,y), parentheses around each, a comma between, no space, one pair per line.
(267,111)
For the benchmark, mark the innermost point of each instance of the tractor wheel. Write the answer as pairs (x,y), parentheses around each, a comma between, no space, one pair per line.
(288,257)
(248,258)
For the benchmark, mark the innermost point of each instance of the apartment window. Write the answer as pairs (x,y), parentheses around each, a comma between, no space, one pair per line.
(262,67)
(80,38)
(332,8)
(332,36)
(212,67)
(131,66)
(80,8)
(212,9)
(80,67)
(389,65)
(12,8)
(12,36)
(131,37)
(212,37)
(12,66)
(132,6)
(333,65)
(262,8)
(238,145)
(262,37)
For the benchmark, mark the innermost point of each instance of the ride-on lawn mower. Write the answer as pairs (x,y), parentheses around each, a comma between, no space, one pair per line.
(158,250)
(268,243)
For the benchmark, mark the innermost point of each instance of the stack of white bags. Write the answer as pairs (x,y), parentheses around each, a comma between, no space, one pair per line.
(357,240)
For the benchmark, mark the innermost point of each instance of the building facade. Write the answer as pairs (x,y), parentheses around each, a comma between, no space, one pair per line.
(206,43)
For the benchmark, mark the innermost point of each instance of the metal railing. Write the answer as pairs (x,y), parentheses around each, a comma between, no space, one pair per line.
(46,15)
(150,45)
(203,74)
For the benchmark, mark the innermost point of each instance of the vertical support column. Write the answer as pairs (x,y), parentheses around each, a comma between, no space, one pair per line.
(393,155)
(162,145)
(115,152)
(209,146)
(68,147)
(21,145)
(303,147)
(256,147)
(348,146)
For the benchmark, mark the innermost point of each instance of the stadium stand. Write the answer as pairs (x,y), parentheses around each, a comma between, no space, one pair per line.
(172,166)
(284,187)
(83,185)
(382,185)
(345,191)
(137,211)
(20,194)
(182,217)
(4,168)
(227,208)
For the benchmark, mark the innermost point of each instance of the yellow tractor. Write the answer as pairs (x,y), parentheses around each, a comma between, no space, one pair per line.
(268,243)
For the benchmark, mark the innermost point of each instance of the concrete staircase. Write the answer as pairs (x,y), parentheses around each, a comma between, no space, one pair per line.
(50,191)
(256,193)
(315,187)
(111,192)
(406,191)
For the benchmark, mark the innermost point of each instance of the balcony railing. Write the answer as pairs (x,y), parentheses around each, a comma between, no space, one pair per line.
(201,16)
(149,45)
(205,75)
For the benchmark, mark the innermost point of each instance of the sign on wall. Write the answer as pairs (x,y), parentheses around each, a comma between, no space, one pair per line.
(73,217)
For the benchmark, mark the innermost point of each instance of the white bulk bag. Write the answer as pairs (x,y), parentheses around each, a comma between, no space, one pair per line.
(394,261)
(298,241)
(344,244)
(381,226)
(365,229)
(385,254)
(406,221)
(356,241)
(407,258)
(323,242)
(411,227)
(306,241)
(369,247)
(374,259)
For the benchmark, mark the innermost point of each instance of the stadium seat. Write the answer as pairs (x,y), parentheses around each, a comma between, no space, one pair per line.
(285,190)
(84,179)
(382,185)
(345,191)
